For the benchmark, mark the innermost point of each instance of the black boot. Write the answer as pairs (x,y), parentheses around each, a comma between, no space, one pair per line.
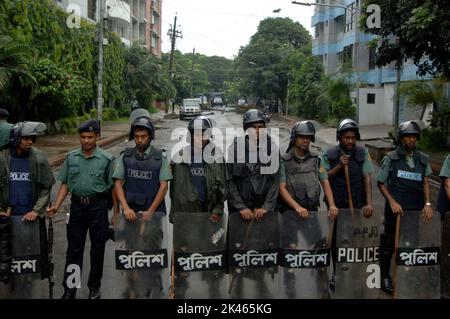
(386,285)
(386,251)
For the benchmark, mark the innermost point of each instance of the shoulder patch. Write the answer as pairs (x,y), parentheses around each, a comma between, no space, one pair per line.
(286,157)
(393,156)
(424,158)
(109,156)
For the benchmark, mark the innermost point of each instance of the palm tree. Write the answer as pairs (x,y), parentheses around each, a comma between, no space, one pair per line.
(425,93)
(13,62)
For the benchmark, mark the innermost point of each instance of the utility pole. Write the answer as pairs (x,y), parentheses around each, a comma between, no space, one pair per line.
(100,61)
(287,97)
(192,73)
(173,33)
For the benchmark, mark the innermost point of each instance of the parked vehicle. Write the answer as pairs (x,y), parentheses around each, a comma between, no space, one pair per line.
(217,101)
(190,108)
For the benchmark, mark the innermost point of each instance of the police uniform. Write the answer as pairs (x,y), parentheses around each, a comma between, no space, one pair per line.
(5,129)
(251,188)
(360,165)
(89,179)
(403,176)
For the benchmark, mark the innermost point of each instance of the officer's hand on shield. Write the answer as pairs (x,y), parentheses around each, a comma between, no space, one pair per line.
(427,213)
(367,211)
(345,160)
(114,218)
(333,211)
(215,218)
(6,213)
(396,208)
(246,214)
(259,213)
(30,216)
(302,212)
(147,215)
(129,214)
(51,211)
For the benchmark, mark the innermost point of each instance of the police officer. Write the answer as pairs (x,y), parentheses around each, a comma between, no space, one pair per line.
(25,191)
(403,192)
(254,182)
(5,128)
(143,167)
(357,158)
(199,185)
(299,185)
(141,183)
(300,176)
(252,192)
(87,175)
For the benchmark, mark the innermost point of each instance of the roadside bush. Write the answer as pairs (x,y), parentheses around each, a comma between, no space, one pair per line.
(109,114)
(69,124)
(433,140)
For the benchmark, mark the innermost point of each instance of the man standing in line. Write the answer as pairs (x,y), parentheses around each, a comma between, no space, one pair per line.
(403,181)
(87,175)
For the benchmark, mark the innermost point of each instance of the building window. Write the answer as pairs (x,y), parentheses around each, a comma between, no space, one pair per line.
(371,98)
(346,56)
(349,17)
(155,41)
(372,58)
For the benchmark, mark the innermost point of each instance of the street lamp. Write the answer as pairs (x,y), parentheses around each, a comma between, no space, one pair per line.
(356,12)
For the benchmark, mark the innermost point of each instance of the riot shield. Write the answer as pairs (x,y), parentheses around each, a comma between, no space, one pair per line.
(417,273)
(357,255)
(26,280)
(141,260)
(305,255)
(253,257)
(199,256)
(445,261)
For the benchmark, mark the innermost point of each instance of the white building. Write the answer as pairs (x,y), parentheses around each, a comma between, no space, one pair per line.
(337,39)
(134,21)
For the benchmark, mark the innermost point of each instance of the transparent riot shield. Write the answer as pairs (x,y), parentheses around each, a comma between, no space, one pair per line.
(26,280)
(199,256)
(141,260)
(253,257)
(417,273)
(357,255)
(445,260)
(305,255)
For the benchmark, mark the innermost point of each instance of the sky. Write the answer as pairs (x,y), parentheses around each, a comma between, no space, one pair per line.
(221,27)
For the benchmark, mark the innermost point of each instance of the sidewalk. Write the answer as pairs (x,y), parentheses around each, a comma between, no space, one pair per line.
(57,146)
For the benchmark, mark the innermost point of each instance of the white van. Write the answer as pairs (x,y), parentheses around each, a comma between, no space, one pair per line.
(190,108)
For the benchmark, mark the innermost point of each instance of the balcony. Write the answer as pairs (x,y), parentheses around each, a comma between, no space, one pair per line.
(119,9)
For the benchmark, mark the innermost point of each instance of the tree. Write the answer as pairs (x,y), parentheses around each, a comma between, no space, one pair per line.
(414,29)
(266,64)
(13,62)
(143,76)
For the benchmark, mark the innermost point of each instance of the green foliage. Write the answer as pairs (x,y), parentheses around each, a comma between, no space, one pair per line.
(143,76)
(70,124)
(269,62)
(58,93)
(108,114)
(422,29)
(433,140)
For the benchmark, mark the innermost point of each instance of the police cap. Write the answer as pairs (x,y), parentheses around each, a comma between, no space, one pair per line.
(89,126)
(4,113)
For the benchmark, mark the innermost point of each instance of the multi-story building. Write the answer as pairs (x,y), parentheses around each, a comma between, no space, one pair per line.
(340,43)
(135,21)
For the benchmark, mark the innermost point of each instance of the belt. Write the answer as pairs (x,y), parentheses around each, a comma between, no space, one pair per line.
(86,200)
